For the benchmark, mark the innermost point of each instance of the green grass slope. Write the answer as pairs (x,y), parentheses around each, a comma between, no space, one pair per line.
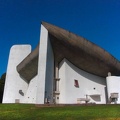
(31,112)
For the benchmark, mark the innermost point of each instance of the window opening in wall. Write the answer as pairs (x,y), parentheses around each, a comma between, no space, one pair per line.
(76,84)
(21,92)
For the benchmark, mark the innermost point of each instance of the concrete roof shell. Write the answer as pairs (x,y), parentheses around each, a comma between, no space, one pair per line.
(79,51)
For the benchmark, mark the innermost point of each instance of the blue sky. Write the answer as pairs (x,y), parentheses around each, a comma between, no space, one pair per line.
(96,20)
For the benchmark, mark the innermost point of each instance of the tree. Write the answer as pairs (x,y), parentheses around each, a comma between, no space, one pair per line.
(2,82)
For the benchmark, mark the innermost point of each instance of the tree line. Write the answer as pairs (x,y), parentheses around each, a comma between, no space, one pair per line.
(2,83)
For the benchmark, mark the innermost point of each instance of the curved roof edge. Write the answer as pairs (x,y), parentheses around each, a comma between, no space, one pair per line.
(103,62)
(79,51)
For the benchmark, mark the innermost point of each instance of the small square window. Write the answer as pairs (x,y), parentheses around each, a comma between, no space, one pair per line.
(76,84)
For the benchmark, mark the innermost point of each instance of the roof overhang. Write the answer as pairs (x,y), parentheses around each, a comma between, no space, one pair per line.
(79,51)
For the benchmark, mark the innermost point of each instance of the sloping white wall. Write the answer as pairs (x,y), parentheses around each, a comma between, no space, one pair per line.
(14,83)
(113,86)
(91,85)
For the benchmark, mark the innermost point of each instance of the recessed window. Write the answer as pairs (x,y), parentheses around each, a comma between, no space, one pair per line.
(76,84)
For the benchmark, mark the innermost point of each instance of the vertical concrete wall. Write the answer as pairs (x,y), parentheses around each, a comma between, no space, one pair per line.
(41,86)
(45,67)
(15,86)
(90,85)
(49,74)
(30,96)
(113,86)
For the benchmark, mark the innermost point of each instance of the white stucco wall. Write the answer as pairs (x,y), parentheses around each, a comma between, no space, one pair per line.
(14,82)
(30,96)
(41,84)
(113,86)
(49,73)
(45,67)
(91,85)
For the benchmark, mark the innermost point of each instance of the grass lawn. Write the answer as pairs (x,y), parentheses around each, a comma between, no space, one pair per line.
(31,112)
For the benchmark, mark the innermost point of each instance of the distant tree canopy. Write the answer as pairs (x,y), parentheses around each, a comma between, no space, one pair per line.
(2,82)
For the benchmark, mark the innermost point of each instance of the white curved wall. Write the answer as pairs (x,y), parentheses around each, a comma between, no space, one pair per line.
(14,82)
(89,84)
(113,86)
(41,85)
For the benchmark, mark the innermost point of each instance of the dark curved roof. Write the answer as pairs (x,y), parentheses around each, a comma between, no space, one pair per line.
(28,67)
(79,51)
